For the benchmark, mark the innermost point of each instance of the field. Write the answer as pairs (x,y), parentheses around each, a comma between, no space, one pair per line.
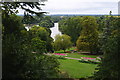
(74,68)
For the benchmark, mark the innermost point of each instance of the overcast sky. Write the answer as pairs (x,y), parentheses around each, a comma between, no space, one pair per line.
(80,6)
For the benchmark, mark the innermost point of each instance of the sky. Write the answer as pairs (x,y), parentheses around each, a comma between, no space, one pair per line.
(80,7)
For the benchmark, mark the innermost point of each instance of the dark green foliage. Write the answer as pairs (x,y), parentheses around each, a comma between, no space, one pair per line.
(8,22)
(60,57)
(109,68)
(18,59)
(71,27)
(43,34)
(88,40)
(89,61)
(38,45)
(28,18)
(20,62)
(11,8)
(46,22)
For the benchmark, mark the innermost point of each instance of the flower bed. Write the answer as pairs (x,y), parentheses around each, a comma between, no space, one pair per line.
(60,54)
(90,60)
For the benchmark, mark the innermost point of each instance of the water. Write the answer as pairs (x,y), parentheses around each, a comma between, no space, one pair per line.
(55,30)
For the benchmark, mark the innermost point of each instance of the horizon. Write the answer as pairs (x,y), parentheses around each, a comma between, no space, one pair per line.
(69,14)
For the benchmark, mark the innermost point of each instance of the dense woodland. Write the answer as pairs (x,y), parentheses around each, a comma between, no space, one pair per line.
(24,52)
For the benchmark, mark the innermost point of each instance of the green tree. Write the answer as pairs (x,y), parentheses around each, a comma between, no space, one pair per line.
(109,68)
(71,27)
(82,43)
(62,42)
(46,22)
(43,34)
(88,39)
(38,45)
(18,61)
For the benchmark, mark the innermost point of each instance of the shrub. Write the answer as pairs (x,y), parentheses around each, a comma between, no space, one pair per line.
(89,61)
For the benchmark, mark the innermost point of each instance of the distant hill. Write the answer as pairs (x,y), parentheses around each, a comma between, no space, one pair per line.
(76,15)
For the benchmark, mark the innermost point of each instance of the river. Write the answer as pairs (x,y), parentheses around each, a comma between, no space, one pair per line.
(55,30)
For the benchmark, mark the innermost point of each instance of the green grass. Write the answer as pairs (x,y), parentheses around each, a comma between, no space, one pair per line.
(75,69)
(78,55)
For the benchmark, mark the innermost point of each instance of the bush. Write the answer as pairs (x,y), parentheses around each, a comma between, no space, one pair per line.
(89,61)
(61,57)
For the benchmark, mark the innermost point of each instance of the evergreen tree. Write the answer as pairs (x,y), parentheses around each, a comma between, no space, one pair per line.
(88,39)
(109,68)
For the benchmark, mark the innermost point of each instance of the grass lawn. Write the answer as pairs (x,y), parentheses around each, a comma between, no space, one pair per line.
(78,55)
(75,69)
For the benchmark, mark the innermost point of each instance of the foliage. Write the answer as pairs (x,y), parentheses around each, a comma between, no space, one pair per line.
(82,43)
(56,19)
(8,24)
(62,42)
(17,45)
(89,61)
(22,63)
(60,57)
(46,22)
(43,34)
(71,27)
(11,8)
(88,40)
(110,47)
(38,45)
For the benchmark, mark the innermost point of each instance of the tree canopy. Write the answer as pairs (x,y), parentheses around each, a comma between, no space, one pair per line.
(88,39)
(18,59)
(46,22)
(109,68)
(62,42)
(71,27)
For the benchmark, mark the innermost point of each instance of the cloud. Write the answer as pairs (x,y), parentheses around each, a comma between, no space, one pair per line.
(80,6)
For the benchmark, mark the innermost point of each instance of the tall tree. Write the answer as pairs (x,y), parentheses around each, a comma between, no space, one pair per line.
(89,35)
(109,68)
(43,34)
(71,27)
(46,22)
(18,59)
